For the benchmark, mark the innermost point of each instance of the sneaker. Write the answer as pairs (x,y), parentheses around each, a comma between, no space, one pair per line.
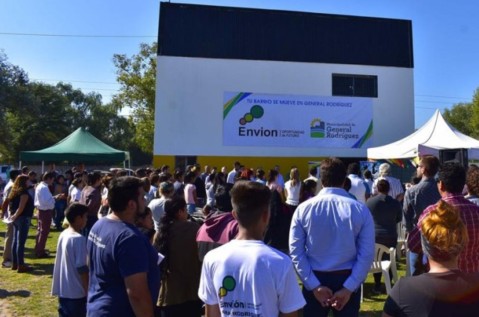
(24,268)
(7,264)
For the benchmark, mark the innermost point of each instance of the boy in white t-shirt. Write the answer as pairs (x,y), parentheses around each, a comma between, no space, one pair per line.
(70,273)
(245,277)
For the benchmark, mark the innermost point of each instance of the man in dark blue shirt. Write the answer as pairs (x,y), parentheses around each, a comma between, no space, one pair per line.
(124,275)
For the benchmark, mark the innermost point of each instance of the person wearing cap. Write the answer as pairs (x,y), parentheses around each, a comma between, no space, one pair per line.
(396,190)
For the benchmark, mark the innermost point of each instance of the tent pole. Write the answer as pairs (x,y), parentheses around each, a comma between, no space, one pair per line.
(43,167)
(19,164)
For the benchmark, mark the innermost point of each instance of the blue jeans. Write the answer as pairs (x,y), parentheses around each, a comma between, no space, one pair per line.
(60,206)
(20,234)
(412,262)
(71,307)
(191,208)
(335,282)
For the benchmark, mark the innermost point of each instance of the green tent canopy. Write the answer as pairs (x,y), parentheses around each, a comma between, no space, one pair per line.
(80,146)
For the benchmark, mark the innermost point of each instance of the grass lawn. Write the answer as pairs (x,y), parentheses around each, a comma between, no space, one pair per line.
(28,294)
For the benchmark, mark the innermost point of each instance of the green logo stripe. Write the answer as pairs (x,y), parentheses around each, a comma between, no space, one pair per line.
(233,101)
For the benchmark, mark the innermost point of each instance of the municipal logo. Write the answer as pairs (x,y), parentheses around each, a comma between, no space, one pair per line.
(317,128)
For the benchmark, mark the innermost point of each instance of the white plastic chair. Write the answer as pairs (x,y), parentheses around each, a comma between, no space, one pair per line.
(402,241)
(383,266)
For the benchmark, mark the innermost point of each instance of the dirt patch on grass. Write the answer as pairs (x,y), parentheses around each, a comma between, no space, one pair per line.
(4,307)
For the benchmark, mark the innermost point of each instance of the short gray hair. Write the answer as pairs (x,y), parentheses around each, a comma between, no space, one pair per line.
(384,169)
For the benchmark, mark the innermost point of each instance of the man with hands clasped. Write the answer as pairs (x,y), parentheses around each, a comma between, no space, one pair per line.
(331,243)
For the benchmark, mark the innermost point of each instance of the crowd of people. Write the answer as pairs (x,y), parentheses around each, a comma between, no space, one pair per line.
(221,242)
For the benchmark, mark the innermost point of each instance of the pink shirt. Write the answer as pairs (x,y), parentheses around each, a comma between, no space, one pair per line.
(189,197)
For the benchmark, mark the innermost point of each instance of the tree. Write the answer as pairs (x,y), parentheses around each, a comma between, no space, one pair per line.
(136,76)
(475,115)
(459,116)
(100,120)
(13,99)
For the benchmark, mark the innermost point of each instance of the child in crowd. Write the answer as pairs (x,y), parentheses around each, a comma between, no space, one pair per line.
(238,276)
(70,273)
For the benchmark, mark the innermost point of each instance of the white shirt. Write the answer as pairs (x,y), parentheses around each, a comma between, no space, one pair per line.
(71,259)
(395,186)
(157,207)
(249,278)
(231,177)
(358,187)
(75,194)
(6,193)
(43,197)
(318,183)
(293,193)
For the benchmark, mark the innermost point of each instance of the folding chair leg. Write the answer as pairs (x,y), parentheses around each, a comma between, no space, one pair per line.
(362,293)
(387,281)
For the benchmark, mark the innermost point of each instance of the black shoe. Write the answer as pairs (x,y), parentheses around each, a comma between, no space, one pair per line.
(44,255)
(377,290)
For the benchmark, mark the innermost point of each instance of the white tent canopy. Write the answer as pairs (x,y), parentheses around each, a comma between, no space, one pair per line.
(436,134)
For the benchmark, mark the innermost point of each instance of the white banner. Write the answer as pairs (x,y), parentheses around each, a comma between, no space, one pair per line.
(251,119)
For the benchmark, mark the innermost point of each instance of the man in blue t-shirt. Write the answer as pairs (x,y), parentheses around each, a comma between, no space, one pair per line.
(124,275)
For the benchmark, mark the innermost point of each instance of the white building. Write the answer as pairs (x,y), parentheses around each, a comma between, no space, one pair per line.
(208,55)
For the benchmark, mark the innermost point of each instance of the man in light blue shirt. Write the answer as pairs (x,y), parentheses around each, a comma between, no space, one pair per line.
(331,243)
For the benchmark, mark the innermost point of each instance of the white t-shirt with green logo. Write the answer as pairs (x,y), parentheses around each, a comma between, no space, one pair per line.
(249,278)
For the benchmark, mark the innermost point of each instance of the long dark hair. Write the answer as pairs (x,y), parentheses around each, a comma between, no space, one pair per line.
(161,239)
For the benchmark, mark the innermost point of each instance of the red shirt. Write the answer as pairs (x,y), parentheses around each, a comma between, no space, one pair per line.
(469,258)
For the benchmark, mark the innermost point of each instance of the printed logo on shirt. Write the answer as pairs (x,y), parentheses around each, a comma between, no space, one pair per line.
(229,284)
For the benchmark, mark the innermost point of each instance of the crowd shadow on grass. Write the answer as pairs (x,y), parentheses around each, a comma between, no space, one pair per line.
(40,269)
(20,293)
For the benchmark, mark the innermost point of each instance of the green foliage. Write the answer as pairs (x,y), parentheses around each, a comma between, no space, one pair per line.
(36,115)
(137,76)
(459,116)
(465,116)
(475,115)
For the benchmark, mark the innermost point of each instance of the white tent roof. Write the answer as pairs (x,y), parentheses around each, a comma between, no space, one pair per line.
(436,134)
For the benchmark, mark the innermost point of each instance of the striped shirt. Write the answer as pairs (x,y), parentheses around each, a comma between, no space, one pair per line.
(418,198)
(469,258)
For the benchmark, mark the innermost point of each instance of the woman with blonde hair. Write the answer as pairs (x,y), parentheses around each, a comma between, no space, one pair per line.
(21,206)
(292,190)
(444,290)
